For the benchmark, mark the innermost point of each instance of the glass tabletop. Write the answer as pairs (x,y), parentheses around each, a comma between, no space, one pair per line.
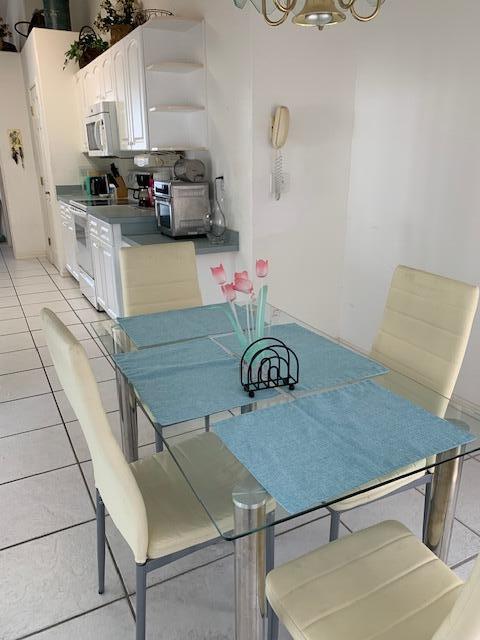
(214,473)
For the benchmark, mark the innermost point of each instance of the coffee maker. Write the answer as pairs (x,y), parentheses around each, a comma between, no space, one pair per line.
(144,194)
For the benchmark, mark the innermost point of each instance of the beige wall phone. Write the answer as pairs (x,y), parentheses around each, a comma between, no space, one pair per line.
(280,128)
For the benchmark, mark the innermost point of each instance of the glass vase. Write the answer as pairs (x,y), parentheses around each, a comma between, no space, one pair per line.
(215,223)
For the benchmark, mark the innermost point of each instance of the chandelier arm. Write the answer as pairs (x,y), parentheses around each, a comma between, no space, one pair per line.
(346,4)
(290,6)
(272,23)
(361,18)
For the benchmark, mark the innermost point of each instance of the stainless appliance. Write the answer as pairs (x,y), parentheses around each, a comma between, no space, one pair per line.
(102,129)
(145,192)
(181,208)
(189,170)
(99,185)
(83,251)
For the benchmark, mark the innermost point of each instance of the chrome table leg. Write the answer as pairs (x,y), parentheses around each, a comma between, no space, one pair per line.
(127,402)
(128,418)
(250,563)
(445,485)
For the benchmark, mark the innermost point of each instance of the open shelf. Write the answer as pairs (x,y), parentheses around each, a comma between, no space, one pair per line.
(173,66)
(172,23)
(176,108)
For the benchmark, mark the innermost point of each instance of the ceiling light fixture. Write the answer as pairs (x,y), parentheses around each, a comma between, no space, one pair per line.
(315,13)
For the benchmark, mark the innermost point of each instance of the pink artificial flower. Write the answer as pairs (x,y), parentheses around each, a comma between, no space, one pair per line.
(229,292)
(262,268)
(244,285)
(241,275)
(219,274)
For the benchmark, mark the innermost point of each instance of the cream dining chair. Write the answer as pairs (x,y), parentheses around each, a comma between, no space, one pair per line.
(159,277)
(149,501)
(381,583)
(378,584)
(424,335)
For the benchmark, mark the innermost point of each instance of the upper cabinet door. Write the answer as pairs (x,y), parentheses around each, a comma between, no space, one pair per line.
(80,88)
(136,105)
(98,89)
(107,77)
(90,89)
(120,87)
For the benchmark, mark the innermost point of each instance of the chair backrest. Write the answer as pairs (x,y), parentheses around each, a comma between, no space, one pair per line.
(426,327)
(463,621)
(113,476)
(159,277)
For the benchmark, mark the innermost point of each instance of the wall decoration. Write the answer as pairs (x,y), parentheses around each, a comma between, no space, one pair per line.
(16,146)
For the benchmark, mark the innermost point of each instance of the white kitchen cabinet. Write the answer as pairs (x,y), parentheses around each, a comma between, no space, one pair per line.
(68,240)
(136,99)
(108,256)
(108,85)
(157,77)
(97,75)
(90,81)
(98,272)
(80,88)
(105,240)
(119,81)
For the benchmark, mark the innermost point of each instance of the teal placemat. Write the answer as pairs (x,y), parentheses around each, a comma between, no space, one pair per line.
(174,326)
(314,449)
(180,382)
(323,363)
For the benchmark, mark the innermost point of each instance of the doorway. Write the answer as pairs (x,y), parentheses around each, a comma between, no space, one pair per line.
(45,187)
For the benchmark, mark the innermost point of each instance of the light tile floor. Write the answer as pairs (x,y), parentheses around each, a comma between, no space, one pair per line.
(47,534)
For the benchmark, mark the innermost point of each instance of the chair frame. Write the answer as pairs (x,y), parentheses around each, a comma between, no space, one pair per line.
(425,480)
(151,565)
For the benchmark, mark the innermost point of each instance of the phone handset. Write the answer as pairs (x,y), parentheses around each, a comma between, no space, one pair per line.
(280,128)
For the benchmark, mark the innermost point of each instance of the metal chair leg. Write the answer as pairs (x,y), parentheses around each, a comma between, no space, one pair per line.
(100,514)
(158,440)
(426,509)
(207,423)
(334,525)
(272,619)
(141,601)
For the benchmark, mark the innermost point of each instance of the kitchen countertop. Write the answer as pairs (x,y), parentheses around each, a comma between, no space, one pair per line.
(121,213)
(139,224)
(202,245)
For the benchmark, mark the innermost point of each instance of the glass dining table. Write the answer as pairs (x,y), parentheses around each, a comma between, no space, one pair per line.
(350,426)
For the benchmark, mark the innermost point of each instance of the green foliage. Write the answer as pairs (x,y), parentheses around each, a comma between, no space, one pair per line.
(4,29)
(88,40)
(114,12)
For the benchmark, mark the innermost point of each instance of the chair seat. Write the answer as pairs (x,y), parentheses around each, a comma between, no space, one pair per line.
(386,489)
(381,583)
(176,519)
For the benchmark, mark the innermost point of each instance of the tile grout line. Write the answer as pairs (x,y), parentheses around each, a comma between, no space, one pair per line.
(76,617)
(122,582)
(461,563)
(46,535)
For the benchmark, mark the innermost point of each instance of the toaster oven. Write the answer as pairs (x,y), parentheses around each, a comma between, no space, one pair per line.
(181,207)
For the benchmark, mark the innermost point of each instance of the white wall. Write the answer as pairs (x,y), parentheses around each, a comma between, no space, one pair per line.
(43,57)
(303,234)
(414,191)
(21,185)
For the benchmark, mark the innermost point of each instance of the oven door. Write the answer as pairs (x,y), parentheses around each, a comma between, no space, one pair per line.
(163,211)
(83,250)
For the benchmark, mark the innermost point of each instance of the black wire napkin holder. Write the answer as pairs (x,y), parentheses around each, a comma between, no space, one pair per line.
(268,363)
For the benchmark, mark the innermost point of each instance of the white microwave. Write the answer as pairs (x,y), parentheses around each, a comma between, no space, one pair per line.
(102,129)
